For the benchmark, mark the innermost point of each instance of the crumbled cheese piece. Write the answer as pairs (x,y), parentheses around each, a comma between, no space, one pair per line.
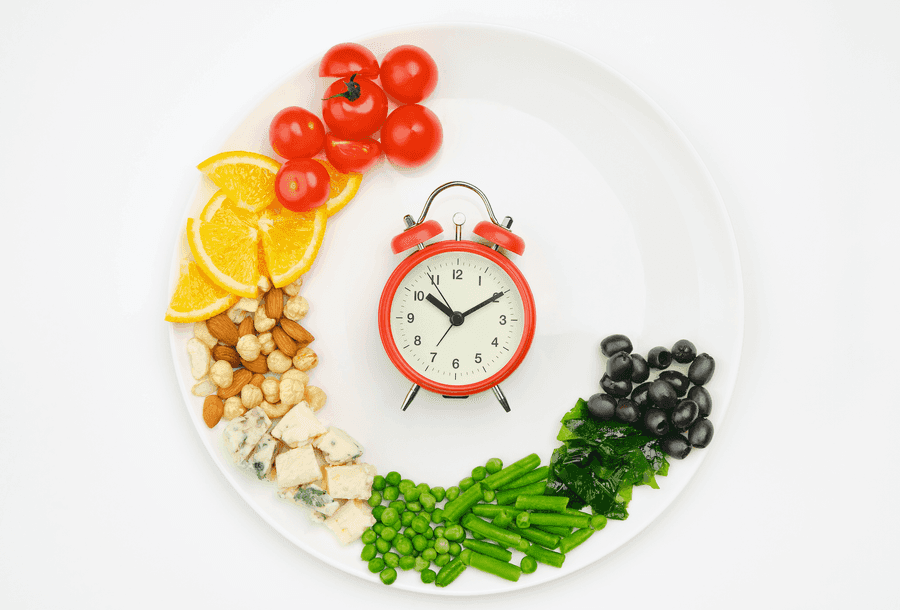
(350,482)
(337,446)
(244,432)
(351,520)
(314,497)
(264,457)
(298,426)
(297,466)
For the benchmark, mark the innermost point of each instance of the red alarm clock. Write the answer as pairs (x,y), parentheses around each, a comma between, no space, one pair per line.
(456,317)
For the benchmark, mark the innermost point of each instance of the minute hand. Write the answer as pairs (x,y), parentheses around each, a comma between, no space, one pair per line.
(490,299)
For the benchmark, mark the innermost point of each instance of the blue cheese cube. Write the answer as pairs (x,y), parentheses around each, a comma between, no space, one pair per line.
(351,520)
(337,446)
(297,467)
(298,426)
(350,482)
(314,497)
(243,433)
(264,457)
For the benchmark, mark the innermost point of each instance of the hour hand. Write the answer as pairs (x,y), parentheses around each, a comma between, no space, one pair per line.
(439,304)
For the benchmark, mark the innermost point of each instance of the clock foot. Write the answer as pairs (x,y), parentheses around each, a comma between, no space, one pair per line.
(500,396)
(410,396)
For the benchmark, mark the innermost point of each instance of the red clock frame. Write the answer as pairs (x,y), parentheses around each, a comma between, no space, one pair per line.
(393,284)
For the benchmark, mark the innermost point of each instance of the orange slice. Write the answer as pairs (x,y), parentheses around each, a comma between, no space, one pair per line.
(247,178)
(226,249)
(343,188)
(196,297)
(290,241)
(219,202)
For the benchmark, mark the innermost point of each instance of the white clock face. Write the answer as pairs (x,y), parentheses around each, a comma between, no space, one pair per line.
(457,318)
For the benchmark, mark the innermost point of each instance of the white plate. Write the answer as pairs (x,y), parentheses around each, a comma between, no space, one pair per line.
(625,232)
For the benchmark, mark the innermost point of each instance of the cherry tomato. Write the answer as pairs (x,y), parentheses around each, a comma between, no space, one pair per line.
(354,108)
(296,133)
(411,135)
(351,155)
(348,58)
(408,74)
(302,184)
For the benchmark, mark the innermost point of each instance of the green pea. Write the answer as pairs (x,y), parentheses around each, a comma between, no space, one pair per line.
(437,515)
(431,540)
(403,545)
(439,531)
(368,552)
(426,500)
(369,536)
(427,514)
(388,576)
(409,533)
(393,478)
(388,533)
(419,524)
(421,564)
(419,542)
(407,562)
(378,483)
(415,507)
(494,465)
(466,483)
(406,518)
(428,576)
(376,565)
(442,560)
(528,564)
(375,499)
(378,527)
(454,532)
(382,545)
(488,495)
(479,473)
(439,493)
(390,516)
(377,512)
(406,487)
(429,555)
(391,560)
(391,493)
(455,549)
(398,505)
(429,534)
(441,545)
(452,493)
(422,488)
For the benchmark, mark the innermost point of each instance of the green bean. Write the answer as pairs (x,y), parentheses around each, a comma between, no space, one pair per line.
(450,572)
(393,478)
(580,520)
(494,465)
(508,496)
(567,543)
(512,471)
(368,552)
(465,554)
(375,499)
(488,548)
(528,564)
(537,536)
(556,529)
(376,565)
(523,520)
(452,493)
(504,518)
(455,509)
(554,504)
(492,510)
(551,558)
(454,532)
(598,522)
(391,560)
(407,562)
(442,560)
(494,566)
(479,473)
(489,530)
(439,493)
(533,476)
(388,576)
(428,576)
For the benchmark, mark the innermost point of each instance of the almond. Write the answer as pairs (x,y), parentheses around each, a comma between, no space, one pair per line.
(259,365)
(241,378)
(213,409)
(222,328)
(297,332)
(228,354)
(257,379)
(284,342)
(274,303)
(246,327)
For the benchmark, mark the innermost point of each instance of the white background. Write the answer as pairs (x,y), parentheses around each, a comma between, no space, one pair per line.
(107,499)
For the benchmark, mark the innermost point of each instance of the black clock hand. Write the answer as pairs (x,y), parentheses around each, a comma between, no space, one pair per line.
(493,298)
(434,301)
(445,334)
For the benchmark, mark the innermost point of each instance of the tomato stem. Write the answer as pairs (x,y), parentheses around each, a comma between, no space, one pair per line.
(353,90)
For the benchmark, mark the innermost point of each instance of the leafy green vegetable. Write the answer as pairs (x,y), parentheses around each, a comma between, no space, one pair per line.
(599,462)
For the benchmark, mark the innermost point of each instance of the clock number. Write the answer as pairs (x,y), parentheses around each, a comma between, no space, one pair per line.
(502,320)
(418,340)
(478,358)
(456,363)
(410,317)
(419,295)
(494,342)
(479,280)
(433,354)
(457,274)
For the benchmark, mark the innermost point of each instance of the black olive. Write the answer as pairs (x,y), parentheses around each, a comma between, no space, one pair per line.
(640,396)
(701,433)
(701,396)
(602,406)
(676,446)
(702,369)
(684,351)
(619,366)
(677,380)
(659,358)
(616,343)
(662,394)
(655,421)
(627,411)
(619,389)
(640,370)
(685,413)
